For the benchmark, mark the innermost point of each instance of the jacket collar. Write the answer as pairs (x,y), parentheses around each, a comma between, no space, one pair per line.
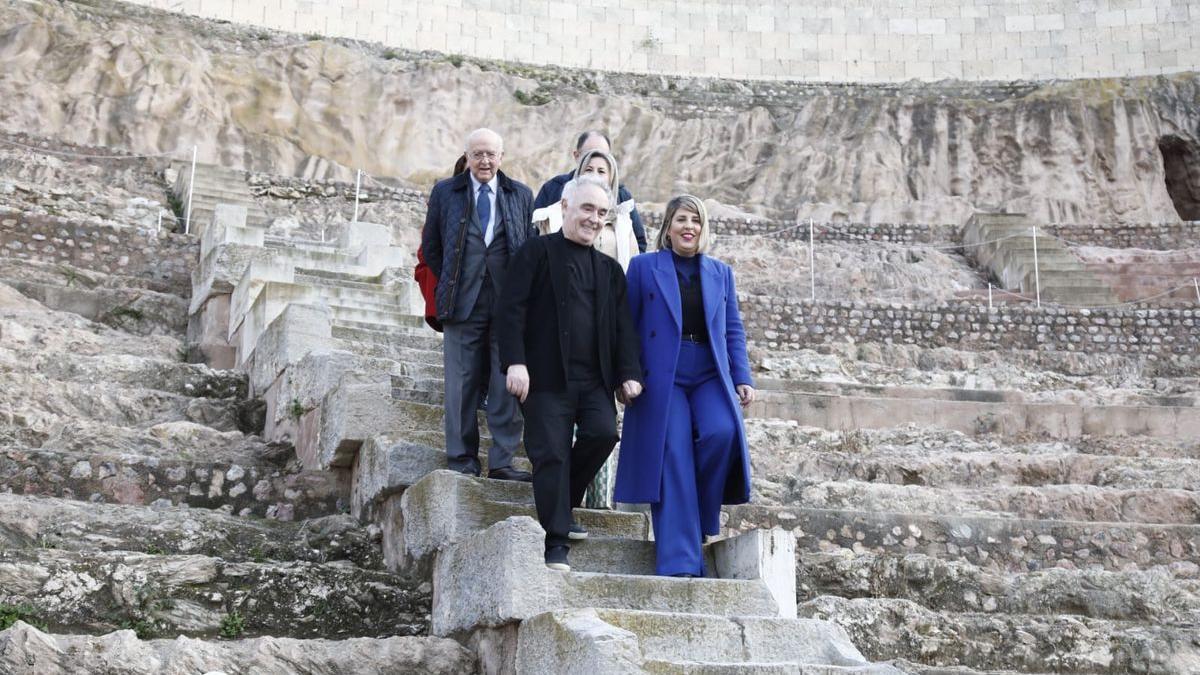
(463,182)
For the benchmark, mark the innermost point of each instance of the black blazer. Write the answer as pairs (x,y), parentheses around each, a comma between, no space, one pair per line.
(533,325)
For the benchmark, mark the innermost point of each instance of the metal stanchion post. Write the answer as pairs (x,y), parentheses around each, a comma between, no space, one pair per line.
(1037,279)
(357,186)
(812,270)
(1196,284)
(989,296)
(158,228)
(187,214)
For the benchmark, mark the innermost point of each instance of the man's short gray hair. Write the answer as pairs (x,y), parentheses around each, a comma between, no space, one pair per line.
(480,133)
(592,179)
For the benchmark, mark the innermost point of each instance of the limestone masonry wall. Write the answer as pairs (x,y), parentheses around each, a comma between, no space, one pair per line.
(779,323)
(897,233)
(165,259)
(855,41)
(1153,236)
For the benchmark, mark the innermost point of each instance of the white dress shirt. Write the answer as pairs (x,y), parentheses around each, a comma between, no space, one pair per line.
(489,228)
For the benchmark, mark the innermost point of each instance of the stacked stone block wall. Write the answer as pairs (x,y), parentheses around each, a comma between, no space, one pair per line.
(1152,236)
(855,41)
(164,259)
(896,233)
(778,323)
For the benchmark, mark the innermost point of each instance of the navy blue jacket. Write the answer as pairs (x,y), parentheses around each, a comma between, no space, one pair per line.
(444,234)
(551,193)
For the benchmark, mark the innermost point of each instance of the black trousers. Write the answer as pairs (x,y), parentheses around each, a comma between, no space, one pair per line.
(562,472)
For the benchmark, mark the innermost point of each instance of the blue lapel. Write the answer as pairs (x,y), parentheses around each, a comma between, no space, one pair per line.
(711,289)
(668,285)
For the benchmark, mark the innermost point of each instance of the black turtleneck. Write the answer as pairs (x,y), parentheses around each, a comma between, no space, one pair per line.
(584,351)
(691,299)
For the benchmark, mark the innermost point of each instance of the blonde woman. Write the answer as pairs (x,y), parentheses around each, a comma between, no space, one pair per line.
(617,240)
(683,448)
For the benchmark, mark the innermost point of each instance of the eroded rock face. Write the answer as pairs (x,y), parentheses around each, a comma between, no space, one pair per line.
(150,82)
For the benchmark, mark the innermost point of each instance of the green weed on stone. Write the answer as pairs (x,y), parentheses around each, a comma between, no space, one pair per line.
(10,614)
(233,625)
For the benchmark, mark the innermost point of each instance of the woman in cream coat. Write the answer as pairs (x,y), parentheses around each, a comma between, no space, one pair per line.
(616,240)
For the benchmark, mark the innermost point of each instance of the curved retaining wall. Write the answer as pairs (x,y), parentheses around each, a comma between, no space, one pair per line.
(854,41)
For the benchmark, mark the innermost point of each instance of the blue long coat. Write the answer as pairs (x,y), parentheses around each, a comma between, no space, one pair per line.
(653,292)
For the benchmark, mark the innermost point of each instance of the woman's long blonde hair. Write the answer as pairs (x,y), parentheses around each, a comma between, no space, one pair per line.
(613,181)
(688,203)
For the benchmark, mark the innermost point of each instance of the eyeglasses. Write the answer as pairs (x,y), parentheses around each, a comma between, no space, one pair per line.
(484,154)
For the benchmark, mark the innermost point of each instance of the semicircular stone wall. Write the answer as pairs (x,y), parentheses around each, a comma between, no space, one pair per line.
(848,41)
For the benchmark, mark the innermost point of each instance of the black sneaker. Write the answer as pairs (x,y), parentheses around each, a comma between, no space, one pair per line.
(556,558)
(576,532)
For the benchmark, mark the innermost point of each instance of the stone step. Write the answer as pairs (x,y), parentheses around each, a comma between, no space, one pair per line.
(732,639)
(1061,421)
(445,506)
(238,486)
(126,371)
(370,316)
(941,393)
(403,352)
(669,594)
(510,553)
(384,468)
(608,640)
(300,244)
(945,468)
(313,280)
(1155,595)
(49,523)
(337,275)
(1085,503)
(660,667)
(991,543)
(61,402)
(411,336)
(69,654)
(169,595)
(889,629)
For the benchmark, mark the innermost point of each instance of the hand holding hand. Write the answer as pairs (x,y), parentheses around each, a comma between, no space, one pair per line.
(630,389)
(746,394)
(517,381)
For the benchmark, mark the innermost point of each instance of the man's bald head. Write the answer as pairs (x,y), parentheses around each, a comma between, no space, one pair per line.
(485,151)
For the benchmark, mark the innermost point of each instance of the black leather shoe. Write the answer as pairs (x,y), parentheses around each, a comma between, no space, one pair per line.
(468,471)
(509,473)
(556,558)
(576,532)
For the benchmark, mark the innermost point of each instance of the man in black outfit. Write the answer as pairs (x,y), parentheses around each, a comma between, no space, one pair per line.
(567,344)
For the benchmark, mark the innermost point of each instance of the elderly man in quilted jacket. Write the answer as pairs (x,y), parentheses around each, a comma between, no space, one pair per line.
(475,223)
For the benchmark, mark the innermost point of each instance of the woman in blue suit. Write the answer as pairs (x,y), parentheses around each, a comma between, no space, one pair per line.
(683,448)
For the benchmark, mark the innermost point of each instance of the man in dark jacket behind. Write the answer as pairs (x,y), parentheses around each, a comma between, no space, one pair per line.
(476,222)
(567,343)
(551,191)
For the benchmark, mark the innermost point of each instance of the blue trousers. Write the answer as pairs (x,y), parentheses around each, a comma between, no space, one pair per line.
(701,434)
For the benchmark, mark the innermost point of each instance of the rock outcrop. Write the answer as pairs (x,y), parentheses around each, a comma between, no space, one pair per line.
(149,82)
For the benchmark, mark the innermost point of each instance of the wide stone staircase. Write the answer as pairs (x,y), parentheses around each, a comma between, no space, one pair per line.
(1005,246)
(213,185)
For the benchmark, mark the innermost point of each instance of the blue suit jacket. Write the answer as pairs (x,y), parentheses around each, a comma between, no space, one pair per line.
(653,293)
